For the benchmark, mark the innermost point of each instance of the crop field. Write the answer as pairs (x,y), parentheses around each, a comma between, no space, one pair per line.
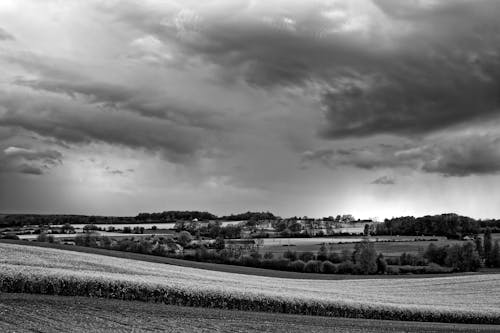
(467,299)
(47,313)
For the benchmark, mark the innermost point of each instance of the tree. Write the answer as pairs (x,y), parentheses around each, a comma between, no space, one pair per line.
(487,243)
(184,238)
(366,230)
(381,264)
(479,246)
(495,255)
(322,253)
(219,243)
(365,257)
(463,258)
(67,229)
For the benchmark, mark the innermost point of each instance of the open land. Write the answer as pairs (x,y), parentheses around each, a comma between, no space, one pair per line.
(469,299)
(46,313)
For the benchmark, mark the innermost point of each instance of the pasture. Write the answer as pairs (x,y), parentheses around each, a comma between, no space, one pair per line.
(388,245)
(468,298)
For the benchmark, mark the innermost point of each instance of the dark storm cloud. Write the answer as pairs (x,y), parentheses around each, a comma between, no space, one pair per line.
(384,180)
(71,123)
(4,35)
(462,156)
(129,99)
(29,161)
(415,68)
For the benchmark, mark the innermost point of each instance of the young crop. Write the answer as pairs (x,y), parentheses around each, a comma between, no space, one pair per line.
(466,299)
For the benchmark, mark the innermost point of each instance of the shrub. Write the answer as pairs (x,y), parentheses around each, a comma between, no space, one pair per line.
(291,255)
(393,270)
(43,237)
(334,257)
(433,268)
(306,256)
(394,261)
(255,254)
(279,264)
(411,259)
(313,266)
(268,255)
(10,236)
(184,238)
(322,254)
(297,266)
(381,264)
(328,267)
(346,267)
(436,254)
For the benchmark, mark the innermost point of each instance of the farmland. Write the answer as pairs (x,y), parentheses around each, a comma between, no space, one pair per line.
(46,313)
(473,298)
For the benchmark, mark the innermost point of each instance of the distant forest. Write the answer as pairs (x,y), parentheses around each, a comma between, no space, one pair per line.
(12,220)
(449,225)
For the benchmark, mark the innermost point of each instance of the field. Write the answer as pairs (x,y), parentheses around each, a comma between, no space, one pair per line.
(388,248)
(470,298)
(393,248)
(45,313)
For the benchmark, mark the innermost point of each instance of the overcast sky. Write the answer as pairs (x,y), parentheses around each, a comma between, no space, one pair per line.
(374,108)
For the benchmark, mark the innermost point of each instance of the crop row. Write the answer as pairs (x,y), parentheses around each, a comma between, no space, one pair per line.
(130,290)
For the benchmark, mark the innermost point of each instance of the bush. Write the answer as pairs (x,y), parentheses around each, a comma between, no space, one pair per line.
(10,236)
(393,270)
(394,261)
(328,267)
(381,264)
(313,266)
(433,268)
(290,255)
(347,267)
(436,254)
(297,266)
(279,264)
(411,259)
(43,237)
(322,254)
(268,255)
(334,257)
(408,269)
(306,256)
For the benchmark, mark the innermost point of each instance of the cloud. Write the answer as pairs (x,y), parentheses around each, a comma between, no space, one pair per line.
(119,97)
(29,161)
(384,180)
(457,156)
(380,67)
(4,35)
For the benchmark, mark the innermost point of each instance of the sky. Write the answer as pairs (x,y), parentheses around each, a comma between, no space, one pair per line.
(374,108)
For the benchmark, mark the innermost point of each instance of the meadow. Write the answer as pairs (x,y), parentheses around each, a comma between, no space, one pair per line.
(462,299)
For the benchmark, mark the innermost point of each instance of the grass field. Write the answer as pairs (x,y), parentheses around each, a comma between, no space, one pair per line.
(395,248)
(45,313)
(389,249)
(474,298)
(231,268)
